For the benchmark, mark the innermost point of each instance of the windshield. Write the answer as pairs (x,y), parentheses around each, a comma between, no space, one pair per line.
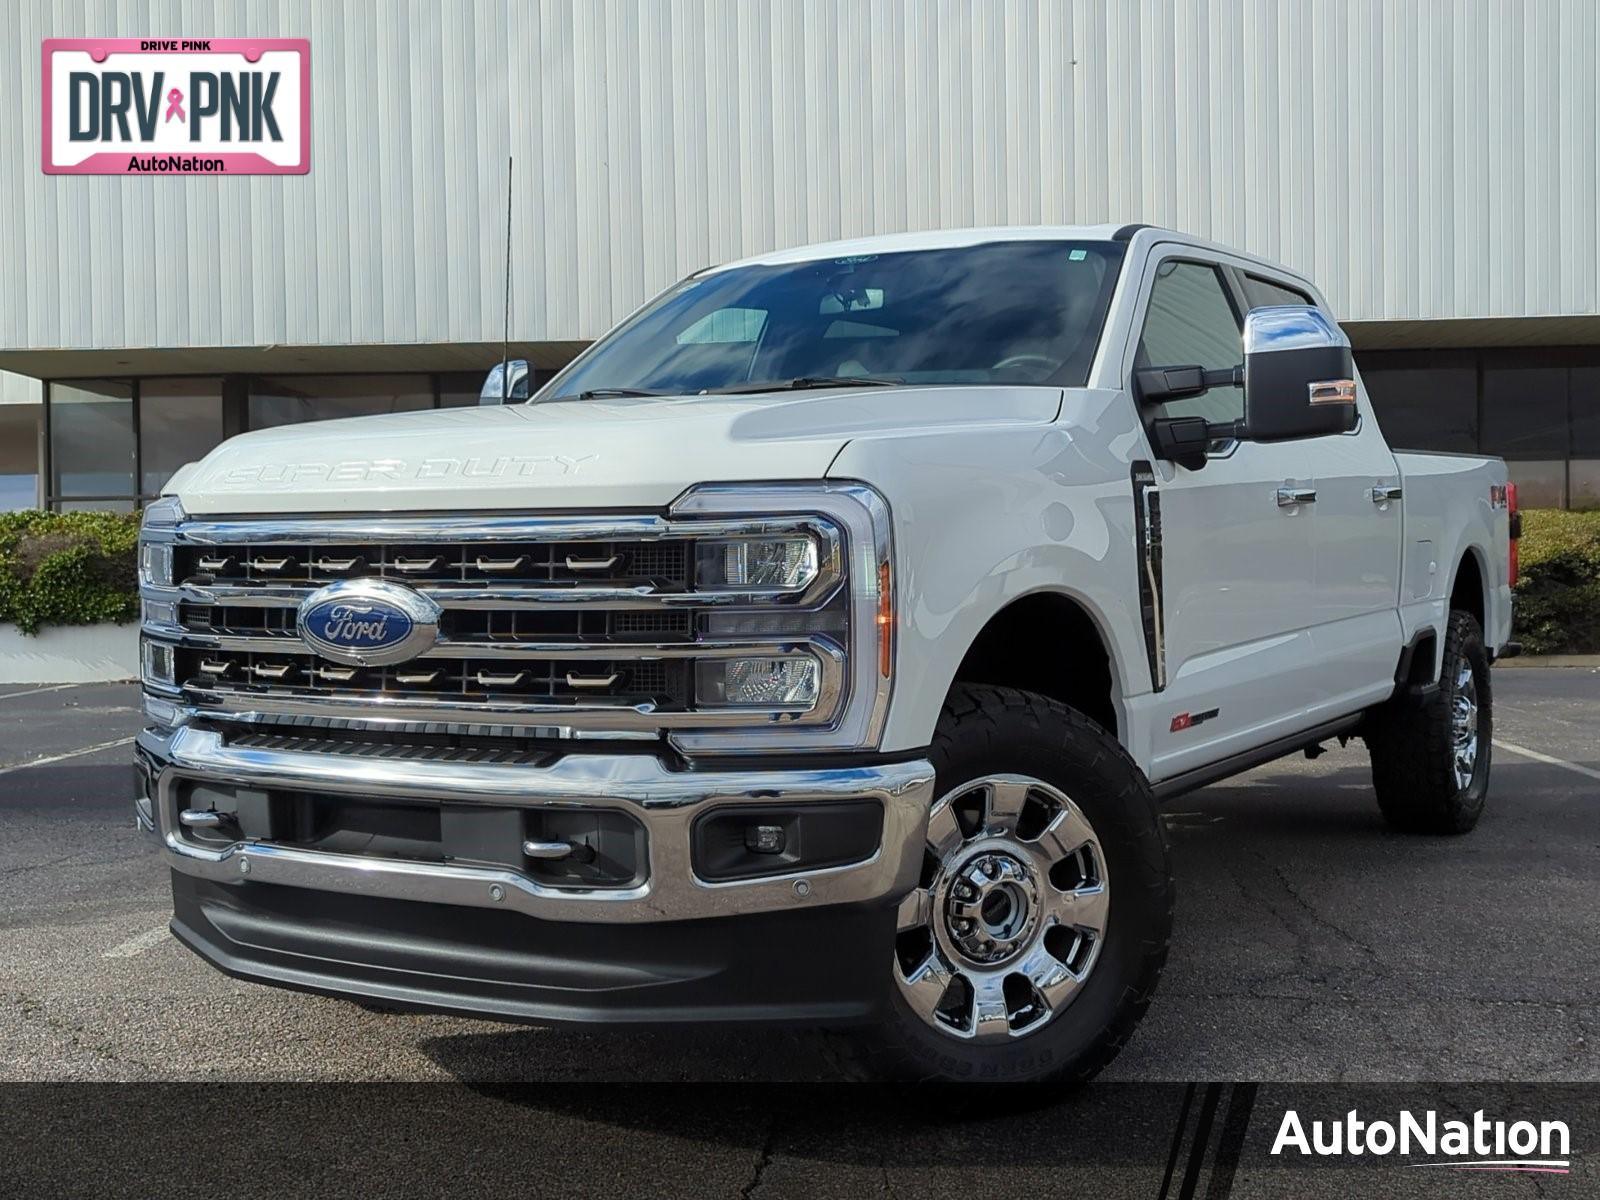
(1003,313)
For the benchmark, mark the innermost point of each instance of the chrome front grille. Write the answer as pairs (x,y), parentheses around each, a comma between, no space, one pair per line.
(545,624)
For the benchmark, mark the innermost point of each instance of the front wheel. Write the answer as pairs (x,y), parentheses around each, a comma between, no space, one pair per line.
(1033,942)
(1430,761)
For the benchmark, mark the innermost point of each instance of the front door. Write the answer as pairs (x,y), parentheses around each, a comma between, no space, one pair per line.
(1237,596)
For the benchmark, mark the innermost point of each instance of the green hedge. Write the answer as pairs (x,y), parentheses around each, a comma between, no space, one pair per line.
(1558,594)
(68,568)
(79,569)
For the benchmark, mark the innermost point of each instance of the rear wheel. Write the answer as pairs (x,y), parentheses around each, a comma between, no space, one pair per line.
(1430,761)
(1033,942)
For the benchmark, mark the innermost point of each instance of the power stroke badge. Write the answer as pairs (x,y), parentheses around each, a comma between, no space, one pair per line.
(177,106)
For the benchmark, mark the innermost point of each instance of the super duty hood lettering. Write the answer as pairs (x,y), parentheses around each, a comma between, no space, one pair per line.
(365,470)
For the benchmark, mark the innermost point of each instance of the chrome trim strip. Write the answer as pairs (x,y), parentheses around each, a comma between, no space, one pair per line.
(667,802)
(775,646)
(508,596)
(406,529)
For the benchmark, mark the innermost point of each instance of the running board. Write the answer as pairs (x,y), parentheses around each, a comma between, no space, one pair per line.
(1199,777)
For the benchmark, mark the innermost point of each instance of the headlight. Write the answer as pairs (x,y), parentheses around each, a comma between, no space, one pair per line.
(806,572)
(786,563)
(155,546)
(762,682)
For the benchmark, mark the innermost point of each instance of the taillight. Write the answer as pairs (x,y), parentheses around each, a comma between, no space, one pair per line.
(1514,525)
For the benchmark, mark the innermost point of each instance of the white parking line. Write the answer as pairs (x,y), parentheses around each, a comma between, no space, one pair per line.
(1546,758)
(54,687)
(138,943)
(55,758)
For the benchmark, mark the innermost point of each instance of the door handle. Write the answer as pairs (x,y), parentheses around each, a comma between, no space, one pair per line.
(1384,493)
(1288,497)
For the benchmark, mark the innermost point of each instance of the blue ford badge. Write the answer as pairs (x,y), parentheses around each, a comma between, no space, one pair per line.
(368,622)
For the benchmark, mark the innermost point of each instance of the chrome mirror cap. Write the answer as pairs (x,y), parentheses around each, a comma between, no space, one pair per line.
(506,382)
(1291,327)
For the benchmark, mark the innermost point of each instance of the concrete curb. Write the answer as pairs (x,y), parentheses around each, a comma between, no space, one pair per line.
(70,654)
(1589,661)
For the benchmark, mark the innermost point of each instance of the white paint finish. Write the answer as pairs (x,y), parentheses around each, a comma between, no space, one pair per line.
(1420,160)
(69,654)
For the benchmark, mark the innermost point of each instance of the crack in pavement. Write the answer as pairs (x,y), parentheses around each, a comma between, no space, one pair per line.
(763,1161)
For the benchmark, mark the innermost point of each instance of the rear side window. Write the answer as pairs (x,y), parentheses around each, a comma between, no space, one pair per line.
(1264,293)
(1191,321)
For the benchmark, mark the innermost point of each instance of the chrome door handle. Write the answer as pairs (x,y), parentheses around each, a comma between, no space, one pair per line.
(1288,497)
(1384,493)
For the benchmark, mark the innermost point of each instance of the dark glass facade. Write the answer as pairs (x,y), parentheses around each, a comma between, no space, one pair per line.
(112,443)
(1538,408)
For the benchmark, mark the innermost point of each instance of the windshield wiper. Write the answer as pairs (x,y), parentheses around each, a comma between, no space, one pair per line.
(806,382)
(607,393)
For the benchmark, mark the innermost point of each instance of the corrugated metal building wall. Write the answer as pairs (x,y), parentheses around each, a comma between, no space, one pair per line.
(1419,159)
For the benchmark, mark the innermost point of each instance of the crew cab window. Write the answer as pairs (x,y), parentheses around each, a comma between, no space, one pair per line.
(1191,321)
(1264,293)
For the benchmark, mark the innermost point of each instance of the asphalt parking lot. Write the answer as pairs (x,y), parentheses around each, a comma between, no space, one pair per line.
(1311,943)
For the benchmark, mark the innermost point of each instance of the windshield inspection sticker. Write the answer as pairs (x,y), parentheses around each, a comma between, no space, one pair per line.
(177,106)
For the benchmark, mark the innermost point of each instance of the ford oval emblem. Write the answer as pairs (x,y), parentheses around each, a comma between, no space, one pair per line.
(368,622)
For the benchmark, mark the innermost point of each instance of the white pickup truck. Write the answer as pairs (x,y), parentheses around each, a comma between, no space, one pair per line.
(815,649)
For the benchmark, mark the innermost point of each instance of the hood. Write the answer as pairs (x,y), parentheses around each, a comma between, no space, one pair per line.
(628,453)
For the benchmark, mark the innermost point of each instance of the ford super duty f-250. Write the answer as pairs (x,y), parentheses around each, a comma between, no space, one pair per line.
(814,649)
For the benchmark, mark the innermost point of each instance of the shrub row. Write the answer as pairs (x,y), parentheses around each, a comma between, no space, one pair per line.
(1558,595)
(68,568)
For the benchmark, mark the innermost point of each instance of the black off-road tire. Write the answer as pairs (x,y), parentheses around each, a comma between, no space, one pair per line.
(985,730)
(1412,750)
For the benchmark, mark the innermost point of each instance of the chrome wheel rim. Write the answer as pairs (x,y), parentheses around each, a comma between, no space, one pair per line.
(1464,725)
(1007,920)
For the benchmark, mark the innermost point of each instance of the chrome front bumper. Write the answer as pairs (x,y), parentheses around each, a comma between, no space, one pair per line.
(666,802)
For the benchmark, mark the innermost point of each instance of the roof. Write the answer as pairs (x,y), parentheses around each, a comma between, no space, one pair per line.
(938,239)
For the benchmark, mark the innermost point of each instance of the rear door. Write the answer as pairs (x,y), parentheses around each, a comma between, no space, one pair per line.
(1356,541)
(1236,590)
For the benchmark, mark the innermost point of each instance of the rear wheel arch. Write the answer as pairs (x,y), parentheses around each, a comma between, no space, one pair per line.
(1468,593)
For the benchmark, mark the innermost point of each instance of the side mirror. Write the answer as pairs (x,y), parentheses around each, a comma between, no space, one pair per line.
(505,382)
(1299,376)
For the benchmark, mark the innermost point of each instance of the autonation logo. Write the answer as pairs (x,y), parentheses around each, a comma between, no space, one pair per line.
(1478,1145)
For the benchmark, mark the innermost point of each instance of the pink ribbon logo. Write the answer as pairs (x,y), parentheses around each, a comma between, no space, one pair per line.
(175,106)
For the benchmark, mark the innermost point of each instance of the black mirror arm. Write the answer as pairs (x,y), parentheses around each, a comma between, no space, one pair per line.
(1179,383)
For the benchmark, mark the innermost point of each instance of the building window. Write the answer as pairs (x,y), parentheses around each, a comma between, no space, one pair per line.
(1424,399)
(290,399)
(92,445)
(180,421)
(19,457)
